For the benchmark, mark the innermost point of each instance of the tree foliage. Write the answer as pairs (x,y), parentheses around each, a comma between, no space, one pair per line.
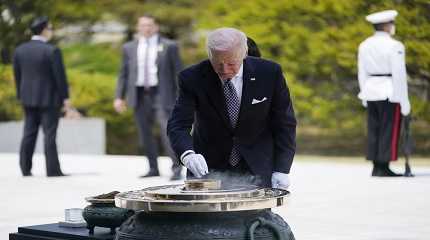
(316,43)
(17,15)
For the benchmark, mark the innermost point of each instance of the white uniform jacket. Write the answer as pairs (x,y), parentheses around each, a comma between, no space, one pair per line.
(382,71)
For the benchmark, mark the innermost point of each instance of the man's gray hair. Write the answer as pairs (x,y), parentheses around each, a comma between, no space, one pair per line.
(226,39)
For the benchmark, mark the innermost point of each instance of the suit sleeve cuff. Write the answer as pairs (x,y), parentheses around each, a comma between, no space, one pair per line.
(185,154)
(284,165)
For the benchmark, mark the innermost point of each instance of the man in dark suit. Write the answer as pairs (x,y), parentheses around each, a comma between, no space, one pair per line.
(147,82)
(42,88)
(240,112)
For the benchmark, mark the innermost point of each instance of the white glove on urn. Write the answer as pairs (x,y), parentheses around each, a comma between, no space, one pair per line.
(280,180)
(196,163)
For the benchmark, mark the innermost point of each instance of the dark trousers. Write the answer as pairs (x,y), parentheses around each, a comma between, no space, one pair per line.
(148,109)
(383,125)
(34,117)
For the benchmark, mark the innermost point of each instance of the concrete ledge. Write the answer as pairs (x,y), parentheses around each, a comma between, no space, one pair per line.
(77,136)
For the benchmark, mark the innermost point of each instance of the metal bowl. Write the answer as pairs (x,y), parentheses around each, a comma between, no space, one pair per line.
(202,184)
(180,198)
(102,212)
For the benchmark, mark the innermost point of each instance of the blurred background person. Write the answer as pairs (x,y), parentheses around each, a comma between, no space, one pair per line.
(383,90)
(253,50)
(147,83)
(41,87)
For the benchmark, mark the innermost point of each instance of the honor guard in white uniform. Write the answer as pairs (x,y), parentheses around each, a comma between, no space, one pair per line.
(383,90)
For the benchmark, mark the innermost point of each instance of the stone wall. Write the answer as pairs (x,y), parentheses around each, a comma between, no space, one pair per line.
(77,136)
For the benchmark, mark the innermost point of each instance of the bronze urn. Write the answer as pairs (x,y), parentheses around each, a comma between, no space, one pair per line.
(201,210)
(102,212)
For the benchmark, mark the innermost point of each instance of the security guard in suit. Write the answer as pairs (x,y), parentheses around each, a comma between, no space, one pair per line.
(383,90)
(42,89)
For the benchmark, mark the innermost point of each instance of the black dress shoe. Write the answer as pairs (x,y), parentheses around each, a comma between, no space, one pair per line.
(27,174)
(385,172)
(151,173)
(60,174)
(375,171)
(176,176)
(388,172)
(378,169)
(391,173)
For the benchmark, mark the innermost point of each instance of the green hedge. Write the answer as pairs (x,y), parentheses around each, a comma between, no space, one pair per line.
(9,105)
(93,93)
(100,58)
(92,72)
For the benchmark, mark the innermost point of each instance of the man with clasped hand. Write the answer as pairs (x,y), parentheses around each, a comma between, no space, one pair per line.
(147,83)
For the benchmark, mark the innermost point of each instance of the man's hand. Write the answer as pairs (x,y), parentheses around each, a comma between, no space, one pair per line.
(280,180)
(196,163)
(67,105)
(405,108)
(119,105)
(364,103)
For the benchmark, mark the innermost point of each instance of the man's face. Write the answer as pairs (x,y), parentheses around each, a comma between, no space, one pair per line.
(146,27)
(226,63)
(48,32)
(392,29)
(389,27)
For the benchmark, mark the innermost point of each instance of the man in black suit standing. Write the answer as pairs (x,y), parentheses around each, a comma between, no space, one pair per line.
(147,82)
(42,88)
(240,113)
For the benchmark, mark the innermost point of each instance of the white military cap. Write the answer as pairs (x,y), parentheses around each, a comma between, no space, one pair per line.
(382,17)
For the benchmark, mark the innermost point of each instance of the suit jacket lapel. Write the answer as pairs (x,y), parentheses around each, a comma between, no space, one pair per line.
(216,95)
(248,89)
(135,59)
(160,50)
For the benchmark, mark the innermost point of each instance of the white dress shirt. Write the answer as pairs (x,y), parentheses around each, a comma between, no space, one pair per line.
(152,58)
(39,38)
(381,54)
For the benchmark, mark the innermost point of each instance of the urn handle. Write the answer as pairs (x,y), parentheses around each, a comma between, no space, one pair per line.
(261,222)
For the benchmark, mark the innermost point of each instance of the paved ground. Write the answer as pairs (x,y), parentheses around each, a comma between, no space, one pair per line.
(332,198)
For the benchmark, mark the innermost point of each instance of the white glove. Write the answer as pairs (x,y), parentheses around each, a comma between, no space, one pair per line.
(364,102)
(196,163)
(405,108)
(280,180)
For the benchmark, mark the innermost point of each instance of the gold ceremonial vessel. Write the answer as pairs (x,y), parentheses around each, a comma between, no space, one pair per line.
(201,195)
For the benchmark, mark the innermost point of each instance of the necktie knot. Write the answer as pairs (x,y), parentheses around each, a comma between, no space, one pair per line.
(229,84)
